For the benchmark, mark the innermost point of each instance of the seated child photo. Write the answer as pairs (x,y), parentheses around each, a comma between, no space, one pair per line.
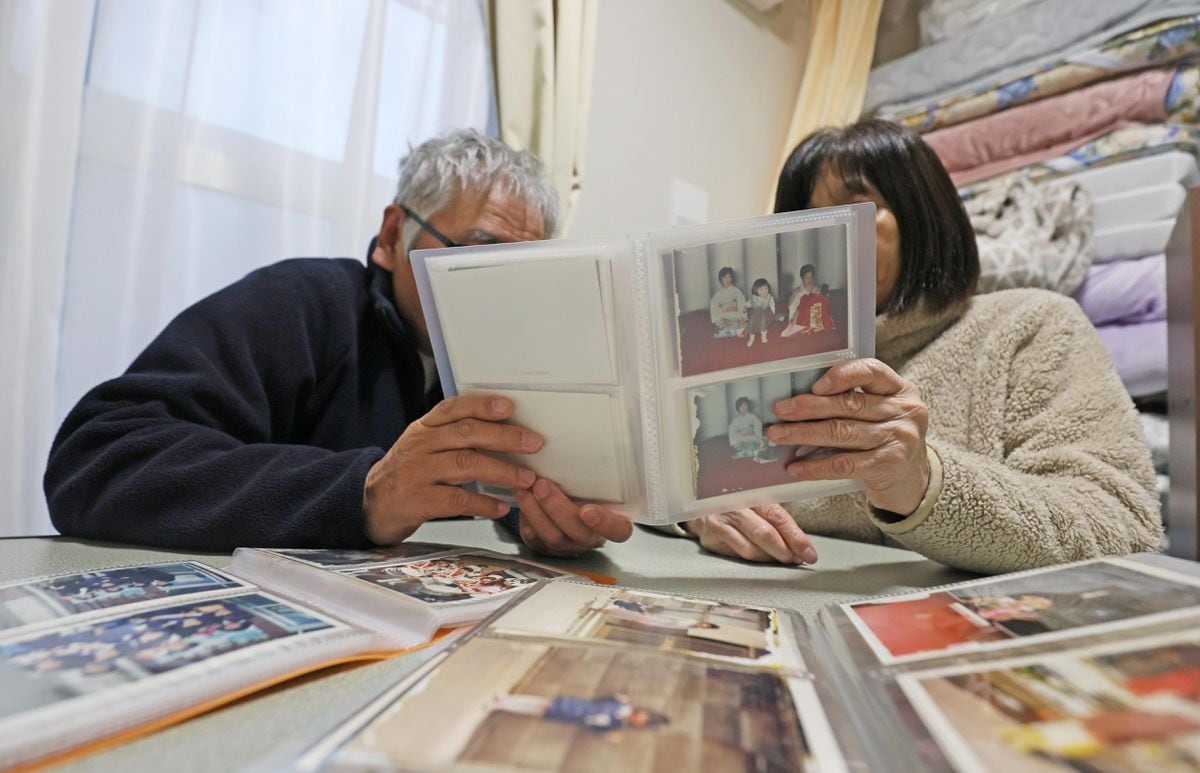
(745,431)
(728,307)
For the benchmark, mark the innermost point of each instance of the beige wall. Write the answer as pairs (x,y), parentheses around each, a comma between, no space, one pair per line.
(700,90)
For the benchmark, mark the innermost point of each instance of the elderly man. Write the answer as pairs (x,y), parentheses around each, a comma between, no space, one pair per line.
(300,406)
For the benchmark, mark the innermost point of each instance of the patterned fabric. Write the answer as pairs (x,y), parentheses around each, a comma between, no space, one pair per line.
(1183,97)
(1120,145)
(1157,44)
(1022,43)
(1038,131)
(1032,236)
(1123,144)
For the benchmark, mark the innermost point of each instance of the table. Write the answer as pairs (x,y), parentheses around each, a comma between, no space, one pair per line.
(269,729)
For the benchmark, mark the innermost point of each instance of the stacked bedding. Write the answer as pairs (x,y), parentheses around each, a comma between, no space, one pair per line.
(1072,128)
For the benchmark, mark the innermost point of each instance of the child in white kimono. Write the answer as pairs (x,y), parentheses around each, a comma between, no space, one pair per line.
(745,431)
(728,307)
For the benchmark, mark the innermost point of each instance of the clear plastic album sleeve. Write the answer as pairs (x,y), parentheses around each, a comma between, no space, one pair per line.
(1093,666)
(651,365)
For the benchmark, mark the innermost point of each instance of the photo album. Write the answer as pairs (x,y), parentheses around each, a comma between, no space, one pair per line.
(651,365)
(1093,666)
(92,655)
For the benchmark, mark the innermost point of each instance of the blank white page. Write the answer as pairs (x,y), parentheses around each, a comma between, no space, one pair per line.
(529,322)
(580,450)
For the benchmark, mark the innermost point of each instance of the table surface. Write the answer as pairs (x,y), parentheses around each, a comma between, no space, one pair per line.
(268,729)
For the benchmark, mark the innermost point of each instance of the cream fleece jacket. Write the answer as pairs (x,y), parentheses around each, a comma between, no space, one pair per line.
(1037,453)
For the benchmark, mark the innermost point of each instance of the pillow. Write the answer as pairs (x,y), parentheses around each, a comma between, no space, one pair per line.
(1127,291)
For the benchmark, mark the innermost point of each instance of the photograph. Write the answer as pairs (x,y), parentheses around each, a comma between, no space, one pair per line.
(991,614)
(459,577)
(761,299)
(50,598)
(40,670)
(729,422)
(655,620)
(508,704)
(683,625)
(334,557)
(1135,706)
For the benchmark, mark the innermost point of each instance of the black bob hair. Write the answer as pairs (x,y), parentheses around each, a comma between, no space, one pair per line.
(939,262)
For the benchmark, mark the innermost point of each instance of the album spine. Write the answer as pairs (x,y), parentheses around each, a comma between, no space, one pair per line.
(648,385)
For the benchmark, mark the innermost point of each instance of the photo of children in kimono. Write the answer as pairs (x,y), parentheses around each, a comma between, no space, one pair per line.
(509,704)
(346,557)
(998,613)
(459,577)
(1136,707)
(65,663)
(761,299)
(732,451)
(25,602)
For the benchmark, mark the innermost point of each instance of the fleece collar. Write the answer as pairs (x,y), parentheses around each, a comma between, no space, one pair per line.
(898,337)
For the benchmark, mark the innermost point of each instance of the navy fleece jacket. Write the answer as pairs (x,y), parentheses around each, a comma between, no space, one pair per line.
(251,420)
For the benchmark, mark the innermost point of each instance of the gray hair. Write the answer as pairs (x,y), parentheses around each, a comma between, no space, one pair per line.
(437,170)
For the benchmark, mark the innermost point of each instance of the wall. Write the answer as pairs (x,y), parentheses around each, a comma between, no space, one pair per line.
(696,90)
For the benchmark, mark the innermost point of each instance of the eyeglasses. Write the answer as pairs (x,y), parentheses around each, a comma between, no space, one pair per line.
(425,226)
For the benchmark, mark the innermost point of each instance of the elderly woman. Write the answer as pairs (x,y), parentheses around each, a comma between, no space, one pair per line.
(992,433)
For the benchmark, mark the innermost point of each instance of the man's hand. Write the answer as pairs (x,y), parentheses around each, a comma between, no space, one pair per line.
(554,525)
(762,534)
(865,408)
(420,477)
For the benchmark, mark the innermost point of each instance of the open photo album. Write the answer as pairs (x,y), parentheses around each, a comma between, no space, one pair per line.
(92,655)
(651,365)
(1091,666)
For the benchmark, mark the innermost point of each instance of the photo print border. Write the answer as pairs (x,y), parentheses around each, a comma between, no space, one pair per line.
(730,451)
(771,301)
(1017,603)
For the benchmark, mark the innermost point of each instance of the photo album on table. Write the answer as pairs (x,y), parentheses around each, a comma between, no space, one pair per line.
(651,365)
(1092,666)
(92,655)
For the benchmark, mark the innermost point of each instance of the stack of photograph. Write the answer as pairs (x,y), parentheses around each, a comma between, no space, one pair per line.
(651,365)
(1092,666)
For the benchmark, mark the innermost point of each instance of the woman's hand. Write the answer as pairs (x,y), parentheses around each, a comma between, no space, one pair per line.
(877,421)
(757,534)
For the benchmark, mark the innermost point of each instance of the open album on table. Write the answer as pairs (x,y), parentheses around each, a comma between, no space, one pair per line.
(1092,666)
(89,655)
(651,365)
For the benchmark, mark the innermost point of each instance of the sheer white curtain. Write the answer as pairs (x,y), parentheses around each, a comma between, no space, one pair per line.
(152,152)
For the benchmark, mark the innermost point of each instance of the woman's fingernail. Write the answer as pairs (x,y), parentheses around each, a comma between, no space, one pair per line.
(500,405)
(590,515)
(530,440)
(776,434)
(821,385)
(541,489)
(527,477)
(785,408)
(809,554)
